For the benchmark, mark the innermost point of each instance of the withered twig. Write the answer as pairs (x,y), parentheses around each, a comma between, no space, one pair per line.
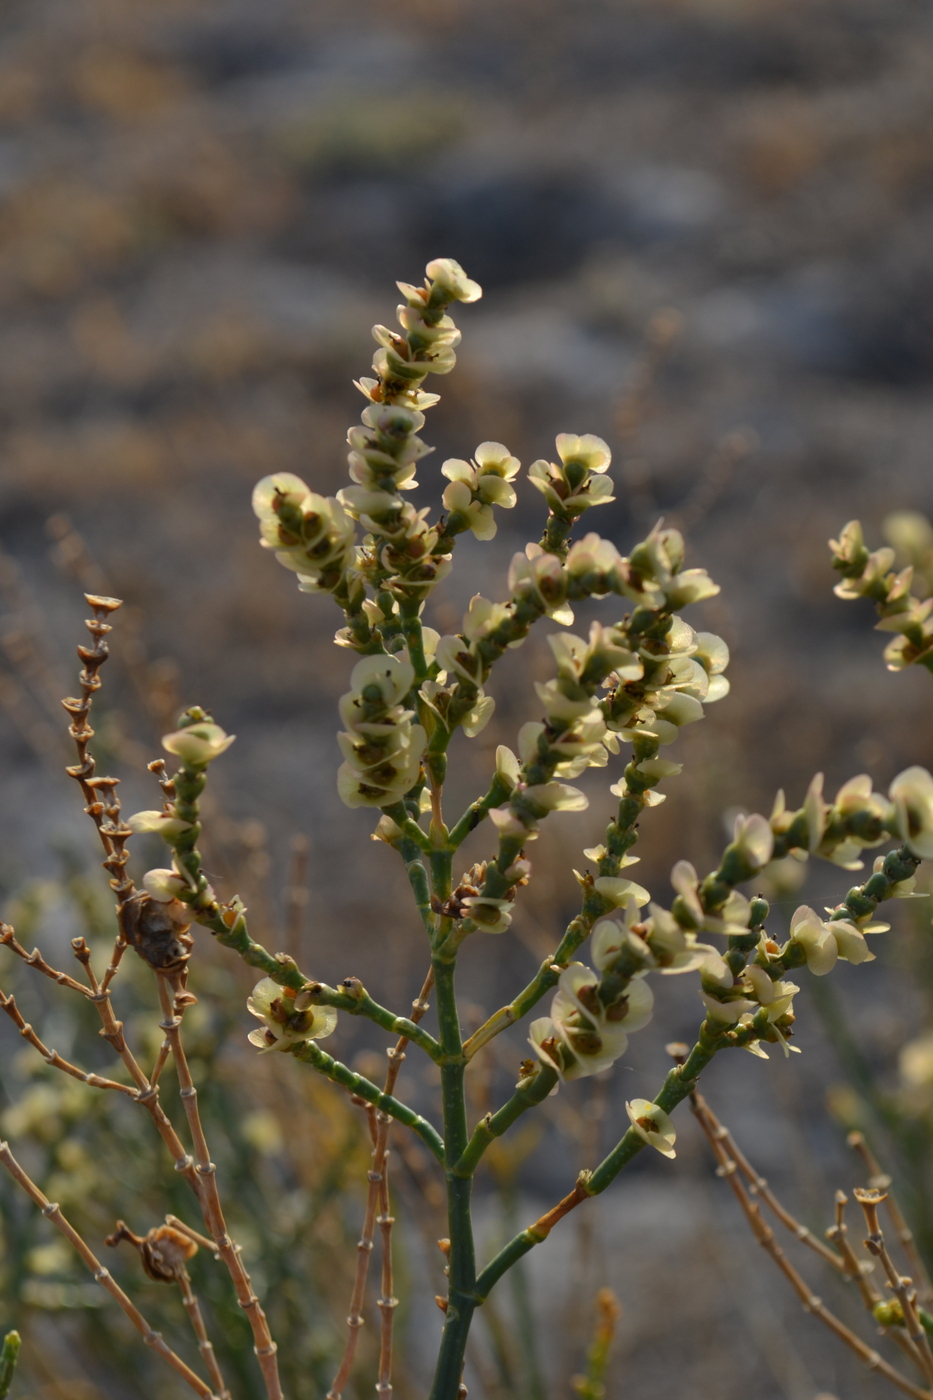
(858,1271)
(765,1237)
(52,1057)
(36,960)
(264,1347)
(882,1182)
(377,1199)
(200,1240)
(52,1212)
(104,813)
(899,1284)
(163,1253)
(758,1186)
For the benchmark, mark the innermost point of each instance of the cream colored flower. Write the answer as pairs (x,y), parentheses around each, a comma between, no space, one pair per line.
(451,281)
(312,535)
(542,577)
(653,1125)
(620,891)
(581,1036)
(381,746)
(912,795)
(489,915)
(165,824)
(288,1019)
(164,885)
(815,938)
(578,482)
(850,941)
(199,744)
(754,839)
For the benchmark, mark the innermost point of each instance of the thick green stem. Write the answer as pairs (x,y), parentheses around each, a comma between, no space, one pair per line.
(312,1054)
(461,1299)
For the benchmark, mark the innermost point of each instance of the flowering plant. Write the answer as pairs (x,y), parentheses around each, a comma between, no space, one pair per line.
(632,683)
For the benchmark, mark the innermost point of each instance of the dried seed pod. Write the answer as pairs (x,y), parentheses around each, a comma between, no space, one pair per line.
(155,933)
(165,1251)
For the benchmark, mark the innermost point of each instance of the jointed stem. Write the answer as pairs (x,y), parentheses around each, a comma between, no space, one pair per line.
(311,1053)
(812,1304)
(265,1347)
(378,1198)
(529,1093)
(461,1298)
(52,1212)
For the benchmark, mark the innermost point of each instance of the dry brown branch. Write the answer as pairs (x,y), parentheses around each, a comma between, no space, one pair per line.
(758,1186)
(765,1236)
(377,1199)
(36,960)
(899,1284)
(52,1057)
(229,1252)
(856,1269)
(881,1181)
(53,1212)
(163,1253)
(200,1240)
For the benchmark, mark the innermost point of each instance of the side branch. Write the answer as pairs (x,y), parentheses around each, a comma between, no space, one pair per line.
(680,1082)
(52,1057)
(811,1304)
(229,925)
(102,1276)
(529,1093)
(312,1054)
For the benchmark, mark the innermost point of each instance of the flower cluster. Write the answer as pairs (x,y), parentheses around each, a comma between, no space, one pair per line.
(575,728)
(475,487)
(870,574)
(758,1003)
(578,480)
(312,535)
(381,747)
(288,1018)
(584,1034)
(403,362)
(196,744)
(857,819)
(823,942)
(681,671)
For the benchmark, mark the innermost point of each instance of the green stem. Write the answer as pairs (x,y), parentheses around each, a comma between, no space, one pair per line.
(360,1003)
(8,1359)
(529,1093)
(311,1053)
(474,814)
(418,879)
(461,1298)
(412,631)
(680,1081)
(409,826)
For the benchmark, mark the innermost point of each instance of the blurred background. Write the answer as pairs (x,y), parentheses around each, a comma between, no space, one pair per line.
(705,231)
